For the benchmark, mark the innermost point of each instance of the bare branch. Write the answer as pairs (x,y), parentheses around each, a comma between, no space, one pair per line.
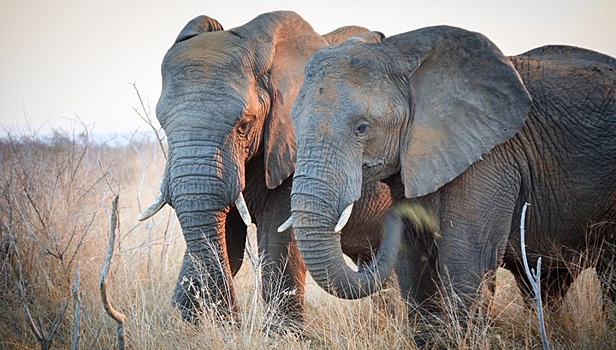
(96,336)
(56,323)
(20,289)
(534,280)
(35,330)
(117,316)
(44,340)
(77,297)
(148,120)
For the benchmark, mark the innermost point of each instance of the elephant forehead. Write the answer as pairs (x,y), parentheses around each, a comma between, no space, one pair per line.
(341,96)
(207,55)
(209,99)
(347,83)
(341,83)
(323,98)
(211,72)
(347,61)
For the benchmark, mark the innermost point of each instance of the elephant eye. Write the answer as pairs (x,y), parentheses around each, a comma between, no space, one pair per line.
(360,129)
(243,127)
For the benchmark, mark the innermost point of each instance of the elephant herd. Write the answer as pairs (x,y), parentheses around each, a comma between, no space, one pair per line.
(326,137)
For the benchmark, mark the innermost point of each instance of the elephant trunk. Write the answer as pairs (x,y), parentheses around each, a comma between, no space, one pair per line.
(203,282)
(201,192)
(321,251)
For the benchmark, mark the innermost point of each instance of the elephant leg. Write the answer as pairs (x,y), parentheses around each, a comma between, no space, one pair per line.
(283,272)
(416,267)
(477,213)
(467,271)
(236,240)
(283,276)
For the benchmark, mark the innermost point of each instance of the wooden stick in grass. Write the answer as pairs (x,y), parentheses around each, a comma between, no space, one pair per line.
(117,316)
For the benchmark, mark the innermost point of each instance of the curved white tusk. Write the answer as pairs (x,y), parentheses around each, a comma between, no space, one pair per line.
(154,208)
(243,209)
(344,218)
(285,225)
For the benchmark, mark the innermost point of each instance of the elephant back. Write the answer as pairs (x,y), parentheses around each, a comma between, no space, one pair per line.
(574,56)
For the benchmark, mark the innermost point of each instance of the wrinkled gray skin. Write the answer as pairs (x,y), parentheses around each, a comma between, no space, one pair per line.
(448,122)
(225,108)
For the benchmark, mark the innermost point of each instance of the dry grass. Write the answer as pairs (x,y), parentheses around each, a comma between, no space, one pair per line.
(55,200)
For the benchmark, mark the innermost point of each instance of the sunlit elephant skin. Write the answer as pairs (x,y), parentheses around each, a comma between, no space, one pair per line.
(449,122)
(225,108)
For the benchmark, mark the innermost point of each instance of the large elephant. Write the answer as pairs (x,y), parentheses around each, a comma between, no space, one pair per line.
(225,108)
(450,123)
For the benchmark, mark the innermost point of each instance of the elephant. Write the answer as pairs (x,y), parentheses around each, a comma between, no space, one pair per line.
(452,125)
(225,108)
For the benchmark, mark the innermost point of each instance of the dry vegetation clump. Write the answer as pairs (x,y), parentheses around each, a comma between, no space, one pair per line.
(55,200)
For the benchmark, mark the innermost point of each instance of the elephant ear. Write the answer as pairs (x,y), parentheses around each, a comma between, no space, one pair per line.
(198,25)
(368,37)
(289,42)
(341,34)
(466,98)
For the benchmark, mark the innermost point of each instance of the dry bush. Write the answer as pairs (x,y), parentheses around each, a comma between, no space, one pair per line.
(55,196)
(54,193)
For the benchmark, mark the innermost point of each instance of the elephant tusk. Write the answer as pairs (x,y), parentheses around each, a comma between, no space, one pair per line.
(154,208)
(285,225)
(344,218)
(243,209)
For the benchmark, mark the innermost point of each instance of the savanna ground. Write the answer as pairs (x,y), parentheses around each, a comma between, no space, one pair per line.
(55,203)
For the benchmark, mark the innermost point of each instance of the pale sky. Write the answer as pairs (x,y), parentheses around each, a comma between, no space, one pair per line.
(64,59)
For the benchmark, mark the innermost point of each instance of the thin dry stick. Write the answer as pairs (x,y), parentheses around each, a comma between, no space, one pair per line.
(77,297)
(535,280)
(117,316)
(38,331)
(148,120)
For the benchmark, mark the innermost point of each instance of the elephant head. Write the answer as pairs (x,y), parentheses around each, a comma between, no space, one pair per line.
(225,100)
(423,105)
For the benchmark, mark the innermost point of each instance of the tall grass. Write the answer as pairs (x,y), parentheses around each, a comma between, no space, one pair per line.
(55,198)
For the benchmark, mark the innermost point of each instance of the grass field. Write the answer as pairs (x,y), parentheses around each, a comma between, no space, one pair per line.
(55,202)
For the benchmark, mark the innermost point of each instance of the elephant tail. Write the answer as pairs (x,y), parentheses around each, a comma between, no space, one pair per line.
(420,222)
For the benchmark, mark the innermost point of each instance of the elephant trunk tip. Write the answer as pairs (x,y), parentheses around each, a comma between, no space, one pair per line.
(322,254)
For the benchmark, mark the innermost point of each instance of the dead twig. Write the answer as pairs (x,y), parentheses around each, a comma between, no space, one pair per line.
(147,118)
(117,316)
(77,297)
(535,280)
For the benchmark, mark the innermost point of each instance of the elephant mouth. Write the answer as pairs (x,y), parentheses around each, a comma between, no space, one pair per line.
(160,202)
(372,163)
(373,170)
